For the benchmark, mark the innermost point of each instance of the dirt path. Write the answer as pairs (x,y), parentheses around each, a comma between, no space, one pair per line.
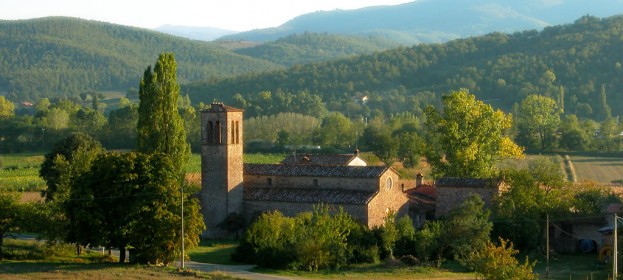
(238,271)
(569,169)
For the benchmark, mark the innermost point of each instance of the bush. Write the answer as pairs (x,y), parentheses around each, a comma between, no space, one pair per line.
(310,241)
(498,262)
(409,260)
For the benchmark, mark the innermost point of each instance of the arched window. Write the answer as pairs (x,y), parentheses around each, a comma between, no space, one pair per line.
(237,133)
(233,133)
(210,129)
(218,135)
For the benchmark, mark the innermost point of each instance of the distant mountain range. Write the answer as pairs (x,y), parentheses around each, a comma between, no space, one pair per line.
(194,32)
(438,20)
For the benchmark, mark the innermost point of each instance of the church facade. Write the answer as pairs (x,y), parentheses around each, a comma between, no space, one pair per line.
(296,185)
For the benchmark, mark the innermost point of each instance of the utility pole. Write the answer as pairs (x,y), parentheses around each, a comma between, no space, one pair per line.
(182,190)
(615,253)
(547,247)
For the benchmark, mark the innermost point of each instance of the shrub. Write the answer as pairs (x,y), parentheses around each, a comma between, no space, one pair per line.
(498,262)
(409,260)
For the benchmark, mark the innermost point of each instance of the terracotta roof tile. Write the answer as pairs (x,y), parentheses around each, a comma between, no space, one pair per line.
(343,159)
(303,170)
(331,196)
(451,182)
(220,107)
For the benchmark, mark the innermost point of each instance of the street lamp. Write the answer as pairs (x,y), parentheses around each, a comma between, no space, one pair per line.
(43,137)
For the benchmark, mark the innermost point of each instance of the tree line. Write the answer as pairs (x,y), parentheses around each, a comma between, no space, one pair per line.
(580,59)
(118,200)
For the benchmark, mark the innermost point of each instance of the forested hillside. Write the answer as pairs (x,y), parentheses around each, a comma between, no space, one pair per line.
(65,56)
(437,21)
(578,64)
(313,47)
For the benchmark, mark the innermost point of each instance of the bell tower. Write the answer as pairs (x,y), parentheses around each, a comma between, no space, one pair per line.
(221,165)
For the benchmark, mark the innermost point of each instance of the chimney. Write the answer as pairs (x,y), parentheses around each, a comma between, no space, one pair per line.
(356,152)
(419,180)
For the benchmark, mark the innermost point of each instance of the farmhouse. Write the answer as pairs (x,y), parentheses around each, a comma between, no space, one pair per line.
(229,186)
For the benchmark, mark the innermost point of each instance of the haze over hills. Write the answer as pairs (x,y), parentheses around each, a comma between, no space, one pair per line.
(438,20)
(195,32)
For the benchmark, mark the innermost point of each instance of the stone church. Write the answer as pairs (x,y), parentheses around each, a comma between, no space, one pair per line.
(367,193)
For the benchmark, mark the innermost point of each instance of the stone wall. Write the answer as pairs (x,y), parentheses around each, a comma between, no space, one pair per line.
(312,182)
(450,197)
(390,197)
(252,209)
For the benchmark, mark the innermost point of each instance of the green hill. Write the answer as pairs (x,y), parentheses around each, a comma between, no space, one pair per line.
(577,61)
(66,56)
(312,47)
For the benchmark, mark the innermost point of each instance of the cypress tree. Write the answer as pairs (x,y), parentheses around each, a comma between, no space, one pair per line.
(160,127)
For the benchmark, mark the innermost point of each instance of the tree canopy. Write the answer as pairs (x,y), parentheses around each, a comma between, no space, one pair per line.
(467,137)
(160,127)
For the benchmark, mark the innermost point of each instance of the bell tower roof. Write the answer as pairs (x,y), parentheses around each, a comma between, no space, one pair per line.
(216,107)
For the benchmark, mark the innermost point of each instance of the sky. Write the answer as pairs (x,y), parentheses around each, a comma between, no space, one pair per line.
(237,15)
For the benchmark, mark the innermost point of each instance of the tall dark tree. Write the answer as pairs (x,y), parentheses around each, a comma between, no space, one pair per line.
(160,126)
(68,159)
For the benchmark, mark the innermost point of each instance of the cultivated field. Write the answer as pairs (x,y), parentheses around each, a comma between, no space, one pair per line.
(601,169)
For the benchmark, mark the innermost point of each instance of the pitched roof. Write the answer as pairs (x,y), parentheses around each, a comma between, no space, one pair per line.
(343,159)
(220,107)
(451,182)
(303,170)
(331,196)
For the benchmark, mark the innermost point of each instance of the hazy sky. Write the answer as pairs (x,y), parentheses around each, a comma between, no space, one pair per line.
(238,15)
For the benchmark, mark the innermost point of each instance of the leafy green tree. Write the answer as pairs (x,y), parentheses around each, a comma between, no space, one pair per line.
(537,121)
(406,243)
(430,246)
(533,193)
(160,126)
(121,128)
(68,159)
(379,139)
(56,119)
(336,130)
(389,234)
(133,199)
(321,239)
(609,136)
(573,136)
(300,128)
(10,214)
(268,241)
(7,108)
(467,228)
(499,263)
(468,137)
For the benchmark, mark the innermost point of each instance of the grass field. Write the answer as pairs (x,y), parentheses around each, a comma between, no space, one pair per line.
(215,252)
(63,271)
(20,173)
(596,168)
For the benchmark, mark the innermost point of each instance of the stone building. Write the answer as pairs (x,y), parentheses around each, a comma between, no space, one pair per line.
(367,193)
(453,191)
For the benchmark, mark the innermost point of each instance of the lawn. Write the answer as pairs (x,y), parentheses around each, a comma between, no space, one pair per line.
(574,266)
(378,271)
(33,259)
(214,252)
(62,271)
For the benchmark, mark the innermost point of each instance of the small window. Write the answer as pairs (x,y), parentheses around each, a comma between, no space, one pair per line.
(315,182)
(389,183)
(269,181)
